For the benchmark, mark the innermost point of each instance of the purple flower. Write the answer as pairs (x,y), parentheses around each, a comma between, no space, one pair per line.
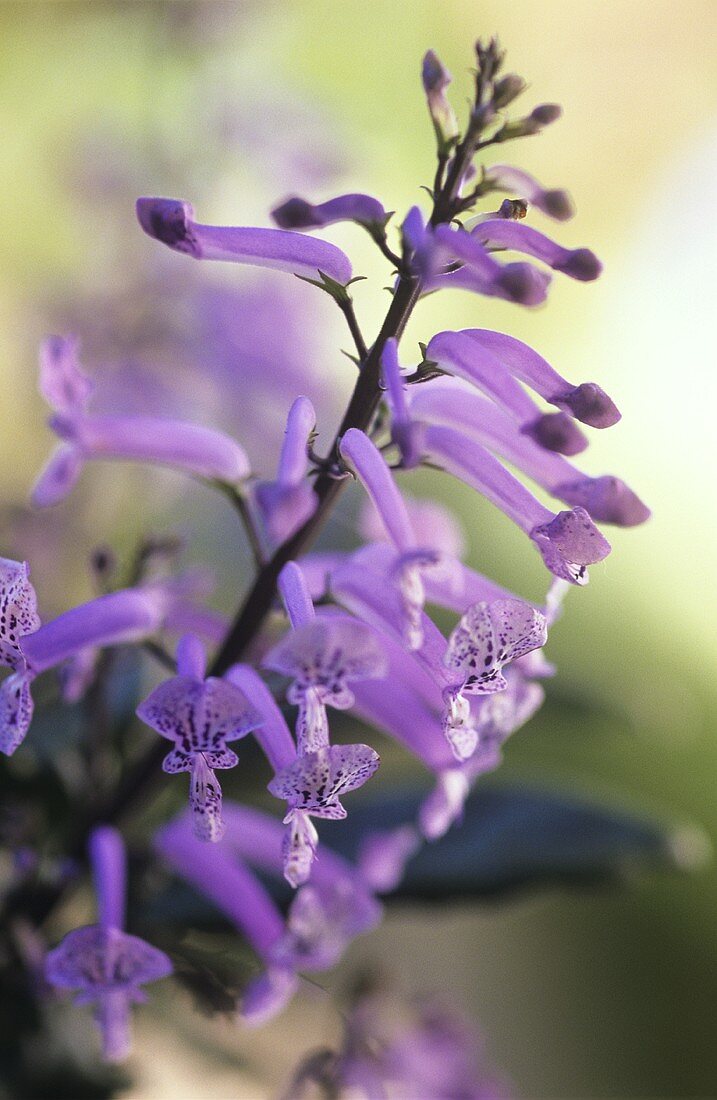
(296,213)
(434,524)
(606,498)
(404,433)
(586,402)
(480,272)
(568,541)
(102,962)
(467,358)
(171,221)
(555,203)
(412,560)
(18,611)
(436,79)
(192,448)
(289,501)
(578,263)
(129,615)
(200,715)
(487,637)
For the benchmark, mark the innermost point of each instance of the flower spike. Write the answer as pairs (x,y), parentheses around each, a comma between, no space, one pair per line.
(171,221)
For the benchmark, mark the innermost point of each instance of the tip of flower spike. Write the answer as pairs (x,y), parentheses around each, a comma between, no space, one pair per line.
(569,543)
(556,432)
(589,403)
(606,498)
(581,264)
(168,221)
(523,284)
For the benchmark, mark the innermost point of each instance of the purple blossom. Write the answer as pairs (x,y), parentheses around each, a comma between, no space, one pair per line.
(578,263)
(434,524)
(191,448)
(288,502)
(296,213)
(200,715)
(404,432)
(586,402)
(467,358)
(171,221)
(568,541)
(606,498)
(102,962)
(480,272)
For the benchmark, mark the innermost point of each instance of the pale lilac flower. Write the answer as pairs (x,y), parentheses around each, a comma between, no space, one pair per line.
(412,560)
(200,715)
(467,358)
(288,502)
(296,213)
(102,962)
(554,202)
(587,402)
(606,498)
(192,448)
(568,541)
(171,221)
(578,263)
(436,79)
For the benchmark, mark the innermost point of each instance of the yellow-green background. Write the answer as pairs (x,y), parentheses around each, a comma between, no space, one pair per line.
(590,996)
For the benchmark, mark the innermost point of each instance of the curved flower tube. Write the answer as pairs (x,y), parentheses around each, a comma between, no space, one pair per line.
(288,502)
(606,498)
(554,202)
(568,541)
(480,272)
(468,359)
(578,263)
(171,221)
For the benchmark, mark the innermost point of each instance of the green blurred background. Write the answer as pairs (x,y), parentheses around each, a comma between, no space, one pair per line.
(226,104)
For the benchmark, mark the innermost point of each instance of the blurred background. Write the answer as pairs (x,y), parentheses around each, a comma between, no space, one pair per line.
(236,105)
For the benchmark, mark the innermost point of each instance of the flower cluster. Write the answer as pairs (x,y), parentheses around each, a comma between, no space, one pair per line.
(358,636)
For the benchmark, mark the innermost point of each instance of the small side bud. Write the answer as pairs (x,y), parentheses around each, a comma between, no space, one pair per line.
(507,89)
(546,113)
(436,79)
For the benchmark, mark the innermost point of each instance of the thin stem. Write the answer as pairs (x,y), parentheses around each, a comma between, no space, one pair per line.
(347,308)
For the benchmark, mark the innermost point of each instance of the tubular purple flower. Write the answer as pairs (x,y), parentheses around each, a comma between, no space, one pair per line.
(516,282)
(171,221)
(417,241)
(412,561)
(434,525)
(436,79)
(466,358)
(289,501)
(295,596)
(192,448)
(606,498)
(578,263)
(296,213)
(200,715)
(405,434)
(554,202)
(586,402)
(104,964)
(568,541)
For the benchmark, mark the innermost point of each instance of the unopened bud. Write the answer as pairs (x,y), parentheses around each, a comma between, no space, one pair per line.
(507,89)
(546,113)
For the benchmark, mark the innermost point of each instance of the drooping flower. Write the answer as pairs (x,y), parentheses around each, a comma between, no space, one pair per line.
(554,202)
(578,263)
(568,541)
(192,448)
(102,962)
(171,221)
(289,501)
(606,498)
(200,715)
(479,271)
(296,213)
(469,359)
